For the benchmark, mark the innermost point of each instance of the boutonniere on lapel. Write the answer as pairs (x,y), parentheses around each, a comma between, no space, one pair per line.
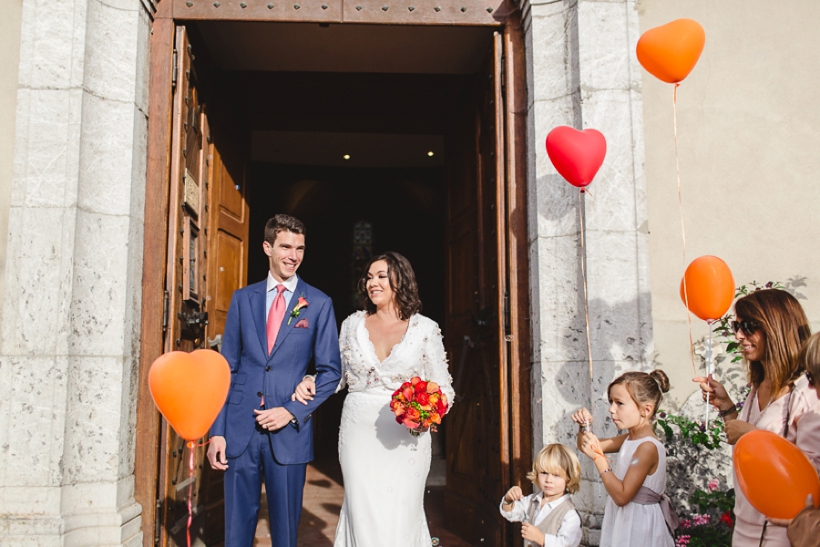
(301,303)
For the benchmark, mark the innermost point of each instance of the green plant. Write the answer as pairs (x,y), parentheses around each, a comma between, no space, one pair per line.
(713,524)
(694,431)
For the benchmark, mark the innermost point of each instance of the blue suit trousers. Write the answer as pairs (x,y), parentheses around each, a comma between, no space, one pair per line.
(284,485)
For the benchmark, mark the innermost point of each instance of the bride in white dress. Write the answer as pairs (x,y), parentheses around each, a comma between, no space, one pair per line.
(384,467)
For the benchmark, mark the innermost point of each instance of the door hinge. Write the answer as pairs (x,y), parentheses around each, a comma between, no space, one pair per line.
(165,312)
(158,523)
(176,68)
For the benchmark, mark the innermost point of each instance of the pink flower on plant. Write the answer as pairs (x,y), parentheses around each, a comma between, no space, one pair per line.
(713,484)
(685,523)
(700,520)
(682,541)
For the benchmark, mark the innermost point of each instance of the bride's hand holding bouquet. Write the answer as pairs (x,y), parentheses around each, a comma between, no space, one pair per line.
(419,405)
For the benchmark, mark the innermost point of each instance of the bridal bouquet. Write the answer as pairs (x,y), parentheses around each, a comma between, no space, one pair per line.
(419,405)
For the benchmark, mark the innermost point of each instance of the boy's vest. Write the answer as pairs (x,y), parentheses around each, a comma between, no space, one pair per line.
(553,520)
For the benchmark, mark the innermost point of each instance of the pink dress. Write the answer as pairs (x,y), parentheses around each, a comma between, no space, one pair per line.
(804,431)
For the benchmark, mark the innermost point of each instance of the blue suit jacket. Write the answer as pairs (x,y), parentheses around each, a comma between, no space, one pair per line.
(244,345)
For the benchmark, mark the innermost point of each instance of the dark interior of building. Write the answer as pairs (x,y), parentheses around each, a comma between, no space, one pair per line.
(346,127)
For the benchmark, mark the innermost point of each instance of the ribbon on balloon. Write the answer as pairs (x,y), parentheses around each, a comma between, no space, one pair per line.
(189,390)
(577,156)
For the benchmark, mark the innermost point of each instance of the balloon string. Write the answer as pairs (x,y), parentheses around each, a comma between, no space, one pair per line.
(682,225)
(582,221)
(709,365)
(191,462)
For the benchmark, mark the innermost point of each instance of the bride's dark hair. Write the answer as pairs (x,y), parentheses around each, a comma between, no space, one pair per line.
(402,281)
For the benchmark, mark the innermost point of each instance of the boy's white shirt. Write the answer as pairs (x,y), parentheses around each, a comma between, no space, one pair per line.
(569,534)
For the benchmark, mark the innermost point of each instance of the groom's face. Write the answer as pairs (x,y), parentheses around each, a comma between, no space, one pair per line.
(285,255)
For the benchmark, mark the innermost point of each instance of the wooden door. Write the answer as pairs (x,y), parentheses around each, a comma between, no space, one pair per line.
(477,325)
(185,292)
(227,232)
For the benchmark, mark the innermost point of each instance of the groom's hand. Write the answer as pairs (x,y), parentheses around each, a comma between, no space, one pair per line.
(216,453)
(273,418)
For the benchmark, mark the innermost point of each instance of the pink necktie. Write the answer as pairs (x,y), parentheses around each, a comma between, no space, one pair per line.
(275,316)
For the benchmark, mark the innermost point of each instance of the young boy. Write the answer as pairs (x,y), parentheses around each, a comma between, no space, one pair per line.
(549,517)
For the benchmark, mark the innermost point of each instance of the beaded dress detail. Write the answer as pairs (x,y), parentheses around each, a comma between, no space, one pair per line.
(384,467)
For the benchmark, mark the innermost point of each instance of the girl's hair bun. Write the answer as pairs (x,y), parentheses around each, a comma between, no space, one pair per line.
(663,380)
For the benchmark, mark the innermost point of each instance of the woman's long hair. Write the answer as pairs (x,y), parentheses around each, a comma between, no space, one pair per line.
(785,328)
(402,281)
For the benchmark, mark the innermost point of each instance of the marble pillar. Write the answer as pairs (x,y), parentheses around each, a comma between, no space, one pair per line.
(583,73)
(70,330)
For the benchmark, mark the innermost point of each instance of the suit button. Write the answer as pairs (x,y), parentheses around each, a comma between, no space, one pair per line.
(258,393)
(267,369)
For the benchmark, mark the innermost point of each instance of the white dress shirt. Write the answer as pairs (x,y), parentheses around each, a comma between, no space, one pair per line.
(290,287)
(569,534)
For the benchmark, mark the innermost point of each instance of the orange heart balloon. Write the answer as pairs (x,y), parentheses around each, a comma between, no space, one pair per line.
(774,475)
(670,52)
(189,389)
(709,286)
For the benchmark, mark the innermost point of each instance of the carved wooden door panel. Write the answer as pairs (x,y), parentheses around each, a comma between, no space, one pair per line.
(476,325)
(185,291)
(227,233)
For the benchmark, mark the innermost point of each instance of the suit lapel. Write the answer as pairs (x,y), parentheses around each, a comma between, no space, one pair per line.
(259,316)
(284,328)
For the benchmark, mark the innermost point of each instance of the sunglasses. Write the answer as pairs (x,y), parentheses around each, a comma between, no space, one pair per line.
(748,327)
(810,378)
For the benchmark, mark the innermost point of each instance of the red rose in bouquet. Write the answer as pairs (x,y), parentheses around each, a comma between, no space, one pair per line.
(419,405)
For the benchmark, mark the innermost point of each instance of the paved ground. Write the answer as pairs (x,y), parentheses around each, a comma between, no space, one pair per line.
(323,502)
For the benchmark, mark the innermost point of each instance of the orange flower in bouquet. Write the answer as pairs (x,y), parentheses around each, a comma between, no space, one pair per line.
(419,405)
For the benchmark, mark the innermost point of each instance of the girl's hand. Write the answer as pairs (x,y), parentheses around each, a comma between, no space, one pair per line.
(513,494)
(589,444)
(735,429)
(718,395)
(304,391)
(582,417)
(532,533)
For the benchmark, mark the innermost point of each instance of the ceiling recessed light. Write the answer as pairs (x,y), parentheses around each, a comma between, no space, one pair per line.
(430,153)
(346,156)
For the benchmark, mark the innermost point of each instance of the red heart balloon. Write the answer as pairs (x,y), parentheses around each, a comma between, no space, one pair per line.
(189,389)
(670,52)
(576,155)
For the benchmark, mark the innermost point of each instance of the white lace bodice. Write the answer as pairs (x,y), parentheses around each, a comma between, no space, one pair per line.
(419,353)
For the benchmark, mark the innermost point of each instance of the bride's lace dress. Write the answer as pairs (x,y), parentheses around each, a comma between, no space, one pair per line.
(385,468)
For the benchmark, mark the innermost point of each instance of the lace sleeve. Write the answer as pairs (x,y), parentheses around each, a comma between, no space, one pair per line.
(436,364)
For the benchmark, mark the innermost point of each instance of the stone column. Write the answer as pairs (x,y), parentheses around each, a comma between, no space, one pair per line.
(70,326)
(584,73)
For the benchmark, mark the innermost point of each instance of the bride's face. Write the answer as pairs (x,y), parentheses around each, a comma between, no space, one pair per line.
(378,284)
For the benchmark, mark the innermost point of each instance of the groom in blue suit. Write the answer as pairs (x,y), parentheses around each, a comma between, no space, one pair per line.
(273,330)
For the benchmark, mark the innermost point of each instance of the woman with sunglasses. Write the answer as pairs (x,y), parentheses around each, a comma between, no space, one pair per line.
(770,327)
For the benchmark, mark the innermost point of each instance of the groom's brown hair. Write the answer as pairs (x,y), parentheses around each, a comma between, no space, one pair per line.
(402,281)
(282,223)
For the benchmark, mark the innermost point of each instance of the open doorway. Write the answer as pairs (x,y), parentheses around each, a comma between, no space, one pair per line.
(378,138)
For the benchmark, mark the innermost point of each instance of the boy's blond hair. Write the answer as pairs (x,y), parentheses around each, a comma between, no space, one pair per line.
(558,460)
(809,357)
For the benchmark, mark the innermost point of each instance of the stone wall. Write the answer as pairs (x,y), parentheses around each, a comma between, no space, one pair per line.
(70,335)
(583,73)
(9,61)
